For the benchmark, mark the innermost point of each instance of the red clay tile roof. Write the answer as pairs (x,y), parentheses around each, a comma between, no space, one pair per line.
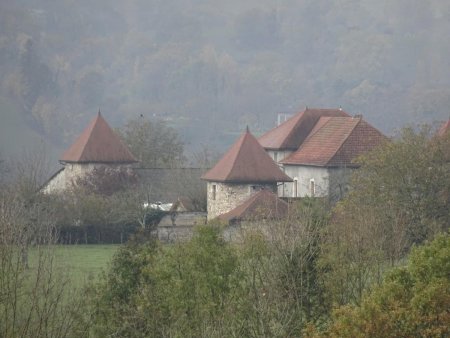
(246,161)
(262,205)
(290,134)
(336,141)
(98,143)
(445,128)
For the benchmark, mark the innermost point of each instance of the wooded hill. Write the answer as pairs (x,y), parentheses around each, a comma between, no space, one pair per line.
(211,68)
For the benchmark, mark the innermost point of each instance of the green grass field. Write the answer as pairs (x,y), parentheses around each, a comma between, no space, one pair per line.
(81,262)
(85,261)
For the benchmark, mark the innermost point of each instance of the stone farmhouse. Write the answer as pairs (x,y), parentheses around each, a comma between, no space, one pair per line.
(311,154)
(97,146)
(317,148)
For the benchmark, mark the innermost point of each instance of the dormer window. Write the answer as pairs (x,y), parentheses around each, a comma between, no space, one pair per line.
(275,156)
(256,188)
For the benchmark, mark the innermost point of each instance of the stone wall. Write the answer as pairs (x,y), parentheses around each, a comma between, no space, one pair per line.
(223,197)
(65,178)
(184,218)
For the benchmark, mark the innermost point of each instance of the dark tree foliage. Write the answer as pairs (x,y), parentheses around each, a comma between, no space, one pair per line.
(153,143)
(209,68)
(268,285)
(412,301)
(106,180)
(398,198)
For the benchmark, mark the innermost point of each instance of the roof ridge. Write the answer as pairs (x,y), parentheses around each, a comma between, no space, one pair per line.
(346,138)
(300,115)
(310,135)
(91,132)
(314,130)
(246,161)
(240,148)
(98,143)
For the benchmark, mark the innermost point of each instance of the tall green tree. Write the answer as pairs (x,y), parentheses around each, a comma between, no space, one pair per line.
(399,197)
(153,143)
(412,301)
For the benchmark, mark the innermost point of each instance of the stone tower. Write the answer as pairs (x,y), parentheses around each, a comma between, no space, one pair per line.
(97,146)
(244,170)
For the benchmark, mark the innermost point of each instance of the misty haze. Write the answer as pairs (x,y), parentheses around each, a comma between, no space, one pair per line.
(234,168)
(209,68)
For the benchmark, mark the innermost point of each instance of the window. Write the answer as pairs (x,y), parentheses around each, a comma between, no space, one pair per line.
(256,188)
(275,156)
(295,192)
(312,187)
(213,197)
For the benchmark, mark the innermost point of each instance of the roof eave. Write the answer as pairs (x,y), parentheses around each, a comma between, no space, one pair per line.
(97,162)
(322,165)
(245,181)
(280,148)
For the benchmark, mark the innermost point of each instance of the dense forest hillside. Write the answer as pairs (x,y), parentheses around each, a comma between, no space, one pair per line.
(211,67)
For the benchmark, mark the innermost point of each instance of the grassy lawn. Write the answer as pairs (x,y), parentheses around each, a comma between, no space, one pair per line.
(85,261)
(81,262)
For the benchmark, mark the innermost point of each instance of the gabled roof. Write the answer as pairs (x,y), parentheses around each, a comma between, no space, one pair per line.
(445,128)
(98,143)
(246,161)
(290,134)
(336,141)
(262,205)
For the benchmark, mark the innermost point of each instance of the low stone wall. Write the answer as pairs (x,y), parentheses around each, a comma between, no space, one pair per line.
(183,219)
(179,226)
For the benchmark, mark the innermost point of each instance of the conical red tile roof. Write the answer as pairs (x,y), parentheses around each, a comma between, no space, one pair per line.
(98,144)
(290,134)
(246,162)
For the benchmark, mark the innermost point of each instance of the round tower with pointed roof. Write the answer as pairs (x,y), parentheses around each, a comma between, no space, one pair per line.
(97,146)
(244,169)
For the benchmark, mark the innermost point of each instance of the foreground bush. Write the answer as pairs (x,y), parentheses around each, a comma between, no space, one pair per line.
(36,297)
(267,286)
(412,302)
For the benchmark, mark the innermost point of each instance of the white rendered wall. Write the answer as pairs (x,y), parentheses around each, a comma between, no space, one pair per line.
(304,175)
(279,154)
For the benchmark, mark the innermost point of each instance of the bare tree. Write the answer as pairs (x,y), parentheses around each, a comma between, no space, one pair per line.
(282,271)
(35,301)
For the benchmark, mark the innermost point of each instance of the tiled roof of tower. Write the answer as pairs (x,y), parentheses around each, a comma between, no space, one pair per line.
(290,134)
(445,128)
(98,143)
(246,161)
(262,205)
(336,141)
